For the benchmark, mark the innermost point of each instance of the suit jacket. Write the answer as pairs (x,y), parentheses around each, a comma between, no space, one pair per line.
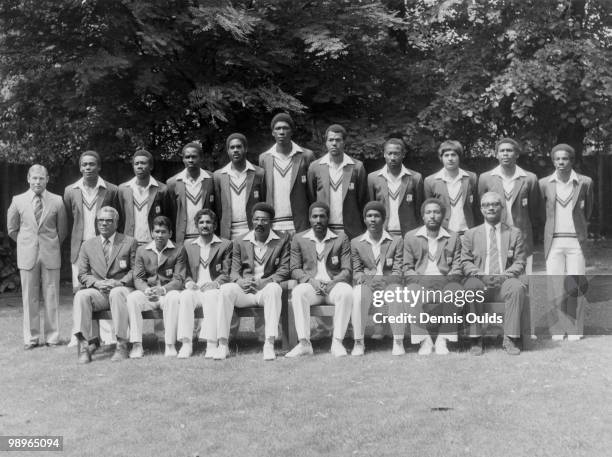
(304,258)
(364,263)
(256,192)
(158,201)
(525,203)
(435,187)
(34,240)
(411,197)
(354,191)
(73,200)
(93,266)
(177,197)
(299,196)
(582,204)
(276,260)
(170,272)
(416,252)
(220,261)
(474,251)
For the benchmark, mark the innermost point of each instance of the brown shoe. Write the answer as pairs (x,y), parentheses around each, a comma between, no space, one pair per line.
(476,349)
(84,354)
(510,346)
(121,352)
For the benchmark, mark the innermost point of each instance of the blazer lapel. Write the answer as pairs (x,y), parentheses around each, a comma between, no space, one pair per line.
(368,252)
(225,192)
(328,247)
(78,199)
(465,180)
(180,189)
(347,172)
(151,199)
(193,255)
(518,184)
(271,248)
(116,248)
(249,183)
(268,166)
(505,244)
(383,251)
(577,190)
(403,187)
(296,161)
(441,247)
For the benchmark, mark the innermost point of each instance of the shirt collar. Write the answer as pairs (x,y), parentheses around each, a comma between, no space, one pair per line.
(488,227)
(152,182)
(442,174)
(228,168)
(32,194)
(573,177)
(80,184)
(151,246)
(384,171)
(346,160)
(368,238)
(251,237)
(110,238)
(182,176)
(199,242)
(309,235)
(518,172)
(295,148)
(442,233)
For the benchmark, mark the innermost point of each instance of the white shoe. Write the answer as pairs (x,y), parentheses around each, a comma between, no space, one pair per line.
(398,347)
(136,352)
(574,337)
(441,348)
(210,351)
(170,351)
(222,352)
(186,351)
(300,350)
(426,346)
(268,351)
(338,349)
(358,349)
(558,337)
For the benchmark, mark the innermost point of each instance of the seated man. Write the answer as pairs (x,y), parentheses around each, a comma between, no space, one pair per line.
(321,264)
(105,273)
(159,272)
(260,261)
(432,256)
(374,254)
(493,257)
(208,262)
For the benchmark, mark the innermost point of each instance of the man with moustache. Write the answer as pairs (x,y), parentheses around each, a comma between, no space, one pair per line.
(493,256)
(568,199)
(286,167)
(106,265)
(209,260)
(189,191)
(521,202)
(159,272)
(36,220)
(375,255)
(321,264)
(455,188)
(260,262)
(431,261)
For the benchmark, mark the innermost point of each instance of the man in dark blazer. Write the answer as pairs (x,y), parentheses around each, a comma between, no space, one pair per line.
(286,168)
(209,260)
(36,220)
(238,186)
(522,201)
(455,187)
(431,262)
(106,265)
(159,272)
(339,181)
(260,262)
(321,264)
(493,256)
(568,199)
(142,198)
(399,188)
(189,191)
(375,255)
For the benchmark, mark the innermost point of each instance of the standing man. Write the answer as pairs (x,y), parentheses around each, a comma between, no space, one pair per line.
(455,188)
(37,221)
(106,265)
(341,183)
(493,256)
(286,168)
(432,260)
(159,272)
(189,191)
(568,197)
(520,191)
(238,186)
(209,260)
(398,188)
(375,255)
(260,262)
(321,264)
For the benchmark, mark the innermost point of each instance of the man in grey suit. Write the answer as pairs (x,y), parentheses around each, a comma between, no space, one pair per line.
(106,265)
(36,220)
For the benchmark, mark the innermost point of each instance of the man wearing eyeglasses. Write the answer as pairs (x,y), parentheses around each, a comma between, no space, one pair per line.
(493,256)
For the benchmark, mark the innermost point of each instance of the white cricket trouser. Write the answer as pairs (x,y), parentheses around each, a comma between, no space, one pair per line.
(188,302)
(137,302)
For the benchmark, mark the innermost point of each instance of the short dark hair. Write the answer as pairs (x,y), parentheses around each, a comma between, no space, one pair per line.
(236,136)
(563,147)
(336,128)
(163,221)
(323,205)
(205,212)
(90,153)
(143,153)
(282,117)
(396,141)
(450,145)
(265,207)
(193,145)
(514,143)
(436,201)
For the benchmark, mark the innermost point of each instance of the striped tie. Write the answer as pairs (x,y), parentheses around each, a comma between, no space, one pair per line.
(493,253)
(38,208)
(106,250)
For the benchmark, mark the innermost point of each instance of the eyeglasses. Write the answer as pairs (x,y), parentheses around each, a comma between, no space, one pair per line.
(490,205)
(106,221)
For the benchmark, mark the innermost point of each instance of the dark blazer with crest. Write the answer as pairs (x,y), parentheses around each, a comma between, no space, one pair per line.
(220,261)
(435,187)
(158,202)
(364,263)
(170,272)
(276,260)
(337,255)
(93,266)
(416,253)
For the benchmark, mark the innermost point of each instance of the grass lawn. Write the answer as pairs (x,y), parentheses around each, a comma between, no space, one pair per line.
(552,401)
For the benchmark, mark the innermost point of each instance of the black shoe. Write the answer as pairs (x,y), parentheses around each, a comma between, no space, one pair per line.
(476,349)
(29,346)
(510,346)
(84,354)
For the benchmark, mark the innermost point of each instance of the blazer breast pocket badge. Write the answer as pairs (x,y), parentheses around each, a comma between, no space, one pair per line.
(409,198)
(303,179)
(212,198)
(256,194)
(449,260)
(122,264)
(389,262)
(218,267)
(581,204)
(524,202)
(334,260)
(510,254)
(157,209)
(471,199)
(276,261)
(352,186)
(169,272)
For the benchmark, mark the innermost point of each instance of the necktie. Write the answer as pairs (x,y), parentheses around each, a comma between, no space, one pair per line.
(38,208)
(493,253)
(106,250)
